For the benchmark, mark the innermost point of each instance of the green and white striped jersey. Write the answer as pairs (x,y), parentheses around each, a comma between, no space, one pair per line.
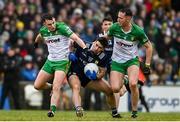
(57,41)
(126,43)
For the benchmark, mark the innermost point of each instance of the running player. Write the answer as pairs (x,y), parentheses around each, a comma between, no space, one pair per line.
(57,36)
(127,36)
(141,82)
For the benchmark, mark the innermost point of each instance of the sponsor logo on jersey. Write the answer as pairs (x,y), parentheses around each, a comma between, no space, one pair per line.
(125,45)
(53,40)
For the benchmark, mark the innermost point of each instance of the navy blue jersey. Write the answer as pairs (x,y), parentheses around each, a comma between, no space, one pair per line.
(89,57)
(83,58)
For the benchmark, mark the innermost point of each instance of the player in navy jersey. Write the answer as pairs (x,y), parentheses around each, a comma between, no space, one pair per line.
(106,23)
(77,78)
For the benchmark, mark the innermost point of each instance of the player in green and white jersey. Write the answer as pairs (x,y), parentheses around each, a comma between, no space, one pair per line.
(57,36)
(127,36)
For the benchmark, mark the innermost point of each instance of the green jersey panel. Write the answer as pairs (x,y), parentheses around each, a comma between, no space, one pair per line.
(57,41)
(126,43)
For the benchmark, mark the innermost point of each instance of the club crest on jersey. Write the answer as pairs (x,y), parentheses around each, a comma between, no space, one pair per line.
(132,38)
(96,62)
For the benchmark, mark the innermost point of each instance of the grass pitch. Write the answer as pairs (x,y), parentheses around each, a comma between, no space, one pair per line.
(35,115)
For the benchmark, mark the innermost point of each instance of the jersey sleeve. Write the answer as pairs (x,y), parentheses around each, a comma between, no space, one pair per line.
(65,30)
(110,31)
(43,31)
(143,38)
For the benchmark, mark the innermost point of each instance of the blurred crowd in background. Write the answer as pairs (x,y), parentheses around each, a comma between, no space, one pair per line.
(20,21)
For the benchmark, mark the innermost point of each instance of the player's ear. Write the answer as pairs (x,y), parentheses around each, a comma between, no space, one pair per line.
(128,19)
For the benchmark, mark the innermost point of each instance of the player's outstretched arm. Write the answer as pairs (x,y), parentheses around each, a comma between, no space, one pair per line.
(79,41)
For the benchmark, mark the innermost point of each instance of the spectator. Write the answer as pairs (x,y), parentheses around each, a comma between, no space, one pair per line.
(10,68)
(28,71)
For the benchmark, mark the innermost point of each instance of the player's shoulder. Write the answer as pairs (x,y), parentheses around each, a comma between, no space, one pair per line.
(137,28)
(115,25)
(43,29)
(60,24)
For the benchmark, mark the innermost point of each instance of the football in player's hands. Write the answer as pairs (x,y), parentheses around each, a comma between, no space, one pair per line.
(91,75)
(91,70)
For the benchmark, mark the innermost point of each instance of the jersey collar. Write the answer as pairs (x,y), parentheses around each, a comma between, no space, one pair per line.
(126,32)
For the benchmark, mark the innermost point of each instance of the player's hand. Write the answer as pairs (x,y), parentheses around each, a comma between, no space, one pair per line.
(72,57)
(146,69)
(35,45)
(91,76)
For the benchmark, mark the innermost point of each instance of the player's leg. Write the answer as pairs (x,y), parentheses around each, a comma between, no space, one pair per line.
(116,78)
(75,85)
(43,76)
(133,73)
(60,68)
(59,77)
(116,81)
(122,91)
(41,80)
(103,86)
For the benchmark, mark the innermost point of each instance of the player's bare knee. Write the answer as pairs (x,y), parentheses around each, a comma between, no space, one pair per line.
(76,87)
(56,89)
(133,85)
(115,89)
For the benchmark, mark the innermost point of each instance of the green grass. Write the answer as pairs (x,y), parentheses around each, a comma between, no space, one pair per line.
(89,116)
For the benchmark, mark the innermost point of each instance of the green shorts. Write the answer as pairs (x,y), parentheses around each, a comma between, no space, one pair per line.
(52,66)
(122,67)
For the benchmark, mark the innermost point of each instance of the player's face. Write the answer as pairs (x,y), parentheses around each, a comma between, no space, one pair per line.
(50,24)
(106,25)
(97,47)
(123,19)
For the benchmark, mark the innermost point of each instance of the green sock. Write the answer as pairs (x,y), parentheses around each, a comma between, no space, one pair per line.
(53,108)
(134,112)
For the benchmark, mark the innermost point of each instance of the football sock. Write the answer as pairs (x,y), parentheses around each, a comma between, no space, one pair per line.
(53,108)
(114,111)
(134,114)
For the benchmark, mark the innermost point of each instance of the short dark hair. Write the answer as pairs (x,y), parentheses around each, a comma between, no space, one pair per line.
(107,18)
(46,16)
(127,11)
(103,41)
